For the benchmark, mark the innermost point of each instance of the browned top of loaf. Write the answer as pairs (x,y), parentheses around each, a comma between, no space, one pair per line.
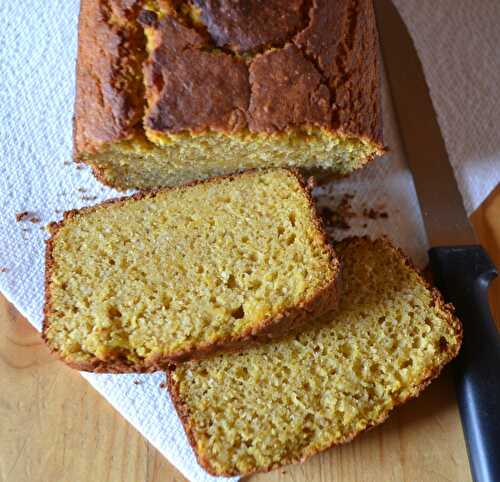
(248,26)
(110,101)
(265,66)
(195,89)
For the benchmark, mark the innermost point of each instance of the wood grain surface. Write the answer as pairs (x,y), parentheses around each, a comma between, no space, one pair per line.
(55,427)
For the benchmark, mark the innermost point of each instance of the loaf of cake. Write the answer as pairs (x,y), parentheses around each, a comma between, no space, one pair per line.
(284,401)
(170,91)
(182,272)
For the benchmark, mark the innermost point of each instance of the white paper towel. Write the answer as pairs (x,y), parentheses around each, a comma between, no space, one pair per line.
(459,44)
(37,58)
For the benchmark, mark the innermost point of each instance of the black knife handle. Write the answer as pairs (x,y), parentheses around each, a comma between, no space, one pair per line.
(463,274)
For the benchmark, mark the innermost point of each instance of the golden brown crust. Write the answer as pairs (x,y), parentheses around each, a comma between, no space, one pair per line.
(190,88)
(287,91)
(343,43)
(109,93)
(330,46)
(284,322)
(452,351)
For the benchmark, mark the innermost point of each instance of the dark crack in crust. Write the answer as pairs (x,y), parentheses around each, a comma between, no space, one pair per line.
(343,44)
(191,88)
(253,25)
(426,378)
(287,90)
(295,318)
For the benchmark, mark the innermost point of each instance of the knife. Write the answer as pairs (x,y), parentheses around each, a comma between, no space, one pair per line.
(461,268)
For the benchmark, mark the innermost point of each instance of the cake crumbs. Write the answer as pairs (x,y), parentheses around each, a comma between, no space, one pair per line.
(374,214)
(339,217)
(4,270)
(311,183)
(137,382)
(333,219)
(21,216)
(82,189)
(27,216)
(163,385)
(89,198)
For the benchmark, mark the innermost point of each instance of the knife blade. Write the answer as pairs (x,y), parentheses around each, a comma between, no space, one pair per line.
(461,268)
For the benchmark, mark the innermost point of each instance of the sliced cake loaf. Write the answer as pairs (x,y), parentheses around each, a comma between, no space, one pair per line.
(179,273)
(174,90)
(284,401)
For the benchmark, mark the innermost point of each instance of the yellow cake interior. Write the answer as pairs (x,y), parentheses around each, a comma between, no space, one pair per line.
(174,159)
(183,268)
(281,402)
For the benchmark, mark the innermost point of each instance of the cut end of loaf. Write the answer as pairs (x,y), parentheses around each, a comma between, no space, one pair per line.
(175,274)
(283,402)
(176,159)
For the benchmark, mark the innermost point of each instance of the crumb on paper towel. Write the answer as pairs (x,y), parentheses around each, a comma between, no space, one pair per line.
(339,215)
(374,213)
(21,216)
(311,183)
(27,216)
(137,382)
(88,198)
(3,270)
(51,226)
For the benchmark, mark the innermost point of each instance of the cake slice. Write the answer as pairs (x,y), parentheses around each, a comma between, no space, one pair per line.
(180,273)
(168,91)
(284,401)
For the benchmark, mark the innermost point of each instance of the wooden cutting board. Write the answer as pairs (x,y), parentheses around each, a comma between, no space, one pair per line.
(55,427)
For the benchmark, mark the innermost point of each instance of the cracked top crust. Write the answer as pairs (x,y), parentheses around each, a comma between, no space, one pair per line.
(220,65)
(251,25)
(191,88)
(342,38)
(287,90)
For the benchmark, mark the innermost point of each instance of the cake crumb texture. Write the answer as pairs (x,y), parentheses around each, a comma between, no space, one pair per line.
(285,401)
(179,273)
